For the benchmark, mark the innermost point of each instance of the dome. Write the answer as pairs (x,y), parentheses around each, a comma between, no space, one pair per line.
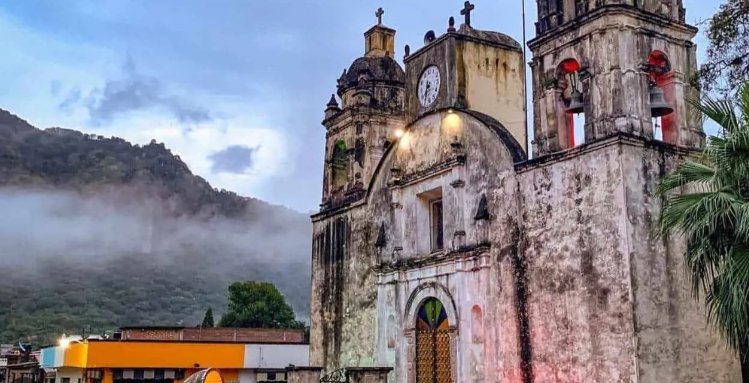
(372,69)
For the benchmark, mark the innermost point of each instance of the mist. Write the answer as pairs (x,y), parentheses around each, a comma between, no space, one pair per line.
(55,240)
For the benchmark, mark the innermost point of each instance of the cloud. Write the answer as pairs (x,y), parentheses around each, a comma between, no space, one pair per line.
(87,230)
(237,159)
(136,92)
(73,97)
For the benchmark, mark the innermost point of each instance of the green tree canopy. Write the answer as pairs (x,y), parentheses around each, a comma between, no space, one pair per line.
(258,304)
(706,200)
(727,65)
(208,318)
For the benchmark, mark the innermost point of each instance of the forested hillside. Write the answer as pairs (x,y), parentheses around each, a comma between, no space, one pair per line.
(97,233)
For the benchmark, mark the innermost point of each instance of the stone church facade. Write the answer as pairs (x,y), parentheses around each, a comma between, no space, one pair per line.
(443,251)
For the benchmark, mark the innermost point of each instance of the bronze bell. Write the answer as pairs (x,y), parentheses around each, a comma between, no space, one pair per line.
(576,103)
(658,104)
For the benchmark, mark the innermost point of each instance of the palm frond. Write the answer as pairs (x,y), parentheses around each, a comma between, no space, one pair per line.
(706,202)
(689,172)
(720,111)
(727,299)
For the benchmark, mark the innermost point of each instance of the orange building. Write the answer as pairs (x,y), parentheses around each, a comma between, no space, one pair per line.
(168,355)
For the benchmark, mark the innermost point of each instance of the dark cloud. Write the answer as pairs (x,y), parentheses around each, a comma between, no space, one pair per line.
(235,159)
(73,97)
(137,92)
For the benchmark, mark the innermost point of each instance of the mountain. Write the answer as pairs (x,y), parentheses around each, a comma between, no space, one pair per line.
(97,233)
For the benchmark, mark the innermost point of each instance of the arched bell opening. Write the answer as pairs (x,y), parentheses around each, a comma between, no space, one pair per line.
(340,164)
(661,89)
(571,122)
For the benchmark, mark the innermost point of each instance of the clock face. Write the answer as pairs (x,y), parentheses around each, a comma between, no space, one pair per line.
(429,86)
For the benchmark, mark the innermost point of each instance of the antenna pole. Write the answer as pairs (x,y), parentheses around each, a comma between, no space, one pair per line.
(525,82)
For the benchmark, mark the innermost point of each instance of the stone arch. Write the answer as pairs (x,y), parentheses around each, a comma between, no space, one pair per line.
(424,292)
(568,82)
(660,74)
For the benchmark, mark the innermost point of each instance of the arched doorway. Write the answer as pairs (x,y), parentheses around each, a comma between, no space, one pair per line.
(432,343)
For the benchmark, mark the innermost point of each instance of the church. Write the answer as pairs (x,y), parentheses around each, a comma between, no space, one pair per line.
(444,250)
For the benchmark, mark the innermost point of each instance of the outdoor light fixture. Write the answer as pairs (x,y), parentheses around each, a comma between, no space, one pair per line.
(64,341)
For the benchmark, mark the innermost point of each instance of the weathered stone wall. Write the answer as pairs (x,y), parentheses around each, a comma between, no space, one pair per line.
(674,343)
(606,300)
(303,374)
(343,310)
(494,84)
(575,250)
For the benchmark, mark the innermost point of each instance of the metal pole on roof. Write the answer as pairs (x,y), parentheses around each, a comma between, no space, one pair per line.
(525,84)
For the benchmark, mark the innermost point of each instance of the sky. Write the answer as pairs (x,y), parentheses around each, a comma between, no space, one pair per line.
(236,88)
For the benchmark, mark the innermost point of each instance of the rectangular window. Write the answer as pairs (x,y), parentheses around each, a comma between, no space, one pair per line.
(435,222)
(65,380)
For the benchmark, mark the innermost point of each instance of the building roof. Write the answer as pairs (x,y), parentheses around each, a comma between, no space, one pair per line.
(175,354)
(496,38)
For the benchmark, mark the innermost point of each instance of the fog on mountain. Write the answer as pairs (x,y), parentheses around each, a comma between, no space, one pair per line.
(97,233)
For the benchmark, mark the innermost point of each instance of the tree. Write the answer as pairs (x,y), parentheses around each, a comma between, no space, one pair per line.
(208,318)
(706,200)
(258,304)
(728,36)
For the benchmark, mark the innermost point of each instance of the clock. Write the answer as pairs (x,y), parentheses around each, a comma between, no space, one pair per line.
(429,86)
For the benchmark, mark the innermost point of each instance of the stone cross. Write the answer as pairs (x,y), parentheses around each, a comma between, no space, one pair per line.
(466,11)
(379,14)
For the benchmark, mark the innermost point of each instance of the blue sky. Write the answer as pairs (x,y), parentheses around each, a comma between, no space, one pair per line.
(235,88)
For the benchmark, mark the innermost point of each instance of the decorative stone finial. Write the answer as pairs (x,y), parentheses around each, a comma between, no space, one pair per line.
(332,108)
(466,11)
(379,14)
(451,24)
(429,37)
(407,50)
(333,103)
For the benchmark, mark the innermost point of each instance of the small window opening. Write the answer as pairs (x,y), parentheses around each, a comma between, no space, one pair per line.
(435,221)
(428,231)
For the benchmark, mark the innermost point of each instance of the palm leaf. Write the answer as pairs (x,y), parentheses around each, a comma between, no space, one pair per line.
(706,202)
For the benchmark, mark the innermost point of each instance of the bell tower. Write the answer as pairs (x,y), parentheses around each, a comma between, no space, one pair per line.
(361,127)
(613,66)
